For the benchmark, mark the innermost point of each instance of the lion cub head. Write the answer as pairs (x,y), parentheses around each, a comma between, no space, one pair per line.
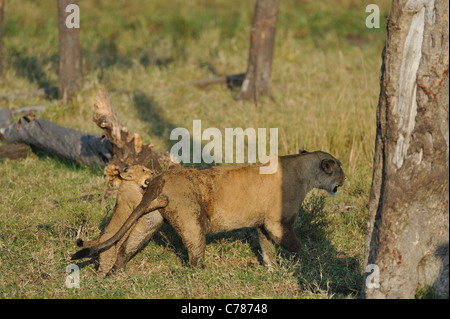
(138,174)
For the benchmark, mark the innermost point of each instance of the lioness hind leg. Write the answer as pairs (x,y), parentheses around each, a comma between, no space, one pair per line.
(196,249)
(194,240)
(139,235)
(192,233)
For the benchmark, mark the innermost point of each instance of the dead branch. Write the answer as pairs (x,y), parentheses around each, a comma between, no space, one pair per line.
(127,145)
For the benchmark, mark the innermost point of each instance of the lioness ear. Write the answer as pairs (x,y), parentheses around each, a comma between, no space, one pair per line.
(327,165)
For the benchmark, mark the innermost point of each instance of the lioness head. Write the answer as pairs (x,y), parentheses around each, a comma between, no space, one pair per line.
(333,176)
(329,174)
(138,174)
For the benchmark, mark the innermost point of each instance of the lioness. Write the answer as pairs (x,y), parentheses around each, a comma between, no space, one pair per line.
(134,182)
(222,198)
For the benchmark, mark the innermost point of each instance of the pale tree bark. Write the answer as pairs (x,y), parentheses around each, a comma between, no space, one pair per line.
(262,41)
(2,5)
(408,223)
(70,67)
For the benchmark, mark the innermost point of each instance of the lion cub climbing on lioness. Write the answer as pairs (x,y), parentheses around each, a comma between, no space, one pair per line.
(197,202)
(134,182)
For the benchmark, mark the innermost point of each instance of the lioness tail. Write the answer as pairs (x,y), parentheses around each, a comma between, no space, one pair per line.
(159,202)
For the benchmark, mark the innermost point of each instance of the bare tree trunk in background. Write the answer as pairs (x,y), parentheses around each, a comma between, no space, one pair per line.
(2,5)
(408,223)
(70,68)
(262,41)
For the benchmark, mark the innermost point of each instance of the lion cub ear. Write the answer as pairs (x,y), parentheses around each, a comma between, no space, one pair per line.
(125,175)
(327,165)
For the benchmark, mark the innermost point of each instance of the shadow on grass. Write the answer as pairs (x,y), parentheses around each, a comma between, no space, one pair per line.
(159,126)
(106,54)
(151,113)
(31,68)
(63,163)
(319,266)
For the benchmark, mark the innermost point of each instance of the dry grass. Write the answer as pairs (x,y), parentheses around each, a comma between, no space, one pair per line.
(325,91)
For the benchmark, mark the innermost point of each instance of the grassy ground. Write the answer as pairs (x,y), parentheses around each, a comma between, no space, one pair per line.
(325,90)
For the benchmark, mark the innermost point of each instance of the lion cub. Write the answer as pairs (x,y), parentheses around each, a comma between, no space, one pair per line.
(134,182)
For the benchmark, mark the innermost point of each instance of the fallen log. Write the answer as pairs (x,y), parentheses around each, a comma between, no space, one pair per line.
(13,151)
(115,150)
(6,115)
(65,142)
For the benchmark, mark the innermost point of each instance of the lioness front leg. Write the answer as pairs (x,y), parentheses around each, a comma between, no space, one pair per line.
(289,240)
(284,235)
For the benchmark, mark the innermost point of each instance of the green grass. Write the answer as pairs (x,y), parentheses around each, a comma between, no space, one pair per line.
(325,91)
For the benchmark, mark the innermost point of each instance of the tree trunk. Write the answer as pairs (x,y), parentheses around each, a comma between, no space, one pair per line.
(2,5)
(408,221)
(262,41)
(70,68)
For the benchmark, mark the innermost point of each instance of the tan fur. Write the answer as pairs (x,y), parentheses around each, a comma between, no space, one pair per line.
(134,182)
(199,202)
